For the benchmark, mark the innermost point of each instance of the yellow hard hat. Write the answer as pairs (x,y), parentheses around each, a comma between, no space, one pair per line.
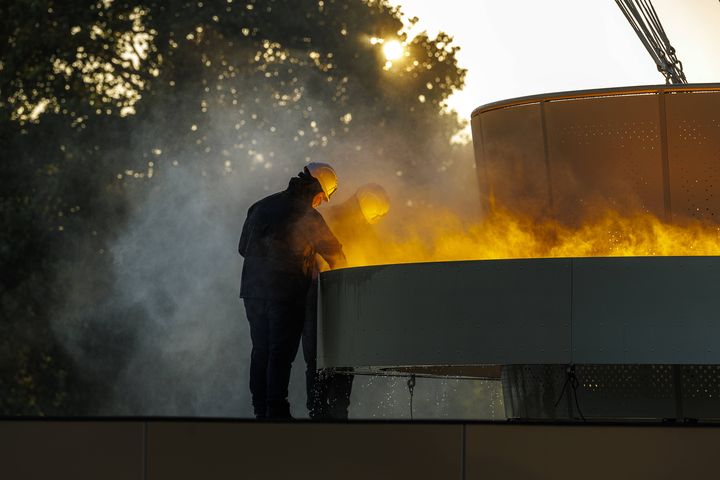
(324,174)
(374,201)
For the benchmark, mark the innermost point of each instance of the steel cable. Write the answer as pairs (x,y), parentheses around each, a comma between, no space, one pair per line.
(644,20)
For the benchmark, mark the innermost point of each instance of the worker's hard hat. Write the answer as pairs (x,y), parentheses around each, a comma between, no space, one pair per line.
(324,174)
(374,202)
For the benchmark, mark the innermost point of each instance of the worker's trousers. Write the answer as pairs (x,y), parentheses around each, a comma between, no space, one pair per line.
(275,329)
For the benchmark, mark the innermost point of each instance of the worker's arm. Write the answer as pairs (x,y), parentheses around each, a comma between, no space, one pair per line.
(327,245)
(246,233)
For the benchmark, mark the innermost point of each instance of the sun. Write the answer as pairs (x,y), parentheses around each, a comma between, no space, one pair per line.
(393,50)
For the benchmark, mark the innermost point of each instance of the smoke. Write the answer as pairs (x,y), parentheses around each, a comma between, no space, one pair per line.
(165,329)
(172,305)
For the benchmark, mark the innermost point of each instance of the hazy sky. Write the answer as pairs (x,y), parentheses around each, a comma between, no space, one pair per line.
(513,48)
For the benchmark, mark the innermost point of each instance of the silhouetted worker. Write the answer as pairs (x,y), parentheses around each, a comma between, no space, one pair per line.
(280,238)
(328,392)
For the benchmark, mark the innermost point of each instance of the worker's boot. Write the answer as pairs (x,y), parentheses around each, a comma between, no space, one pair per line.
(279,412)
(259,407)
(318,412)
(339,389)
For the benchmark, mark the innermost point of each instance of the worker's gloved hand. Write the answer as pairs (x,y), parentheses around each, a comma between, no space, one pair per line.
(342,263)
(337,261)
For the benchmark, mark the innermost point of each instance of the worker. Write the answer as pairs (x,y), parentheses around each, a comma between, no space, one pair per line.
(328,392)
(280,238)
(353,217)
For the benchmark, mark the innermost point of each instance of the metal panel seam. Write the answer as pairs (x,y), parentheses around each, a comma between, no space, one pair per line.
(144,450)
(463,448)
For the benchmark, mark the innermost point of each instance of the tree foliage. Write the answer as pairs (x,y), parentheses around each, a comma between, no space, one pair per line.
(98,100)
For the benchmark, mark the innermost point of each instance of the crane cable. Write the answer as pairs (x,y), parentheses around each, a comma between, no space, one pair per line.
(644,20)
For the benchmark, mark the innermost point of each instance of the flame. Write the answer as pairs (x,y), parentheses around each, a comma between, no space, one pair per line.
(443,236)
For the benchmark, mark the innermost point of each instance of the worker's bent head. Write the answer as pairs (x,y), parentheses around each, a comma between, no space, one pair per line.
(374,202)
(327,178)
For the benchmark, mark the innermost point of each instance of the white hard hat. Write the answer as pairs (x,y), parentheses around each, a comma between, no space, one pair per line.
(324,174)
(374,201)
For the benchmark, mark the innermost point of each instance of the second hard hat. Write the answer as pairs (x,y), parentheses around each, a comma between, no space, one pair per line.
(374,202)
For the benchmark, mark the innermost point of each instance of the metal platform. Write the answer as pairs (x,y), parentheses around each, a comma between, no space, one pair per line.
(620,310)
(525,320)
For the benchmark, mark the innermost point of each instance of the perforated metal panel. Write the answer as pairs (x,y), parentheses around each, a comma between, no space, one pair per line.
(601,392)
(613,392)
(627,381)
(627,391)
(605,153)
(532,391)
(654,149)
(693,123)
(701,391)
(514,166)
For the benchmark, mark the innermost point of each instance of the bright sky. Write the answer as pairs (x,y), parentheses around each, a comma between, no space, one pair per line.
(513,48)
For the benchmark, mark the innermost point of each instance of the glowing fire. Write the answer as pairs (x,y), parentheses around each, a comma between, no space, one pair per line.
(503,235)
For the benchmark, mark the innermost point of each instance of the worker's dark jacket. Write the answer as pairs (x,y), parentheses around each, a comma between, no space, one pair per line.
(280,238)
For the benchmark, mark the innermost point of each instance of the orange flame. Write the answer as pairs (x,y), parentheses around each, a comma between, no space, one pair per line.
(505,235)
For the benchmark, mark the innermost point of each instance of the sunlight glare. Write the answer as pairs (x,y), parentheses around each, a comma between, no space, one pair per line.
(393,50)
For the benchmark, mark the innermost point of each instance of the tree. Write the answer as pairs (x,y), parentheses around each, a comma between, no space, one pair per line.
(98,110)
